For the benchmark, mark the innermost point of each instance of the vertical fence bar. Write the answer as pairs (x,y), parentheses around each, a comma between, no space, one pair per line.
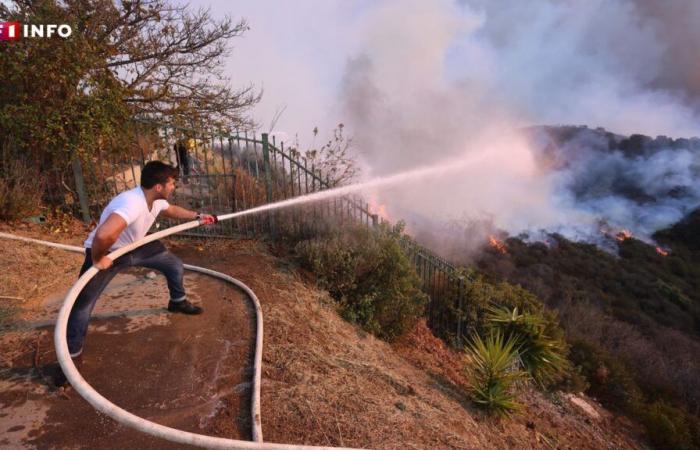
(232,193)
(314,223)
(299,214)
(207,178)
(243,221)
(250,188)
(224,192)
(292,177)
(291,172)
(273,152)
(284,214)
(257,220)
(268,178)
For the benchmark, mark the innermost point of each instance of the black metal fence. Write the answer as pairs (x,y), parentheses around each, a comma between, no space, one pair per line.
(223,173)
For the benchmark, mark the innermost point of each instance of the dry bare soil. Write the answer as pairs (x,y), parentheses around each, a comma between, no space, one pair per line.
(324,381)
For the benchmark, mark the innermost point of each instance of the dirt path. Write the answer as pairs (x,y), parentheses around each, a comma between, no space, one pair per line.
(191,373)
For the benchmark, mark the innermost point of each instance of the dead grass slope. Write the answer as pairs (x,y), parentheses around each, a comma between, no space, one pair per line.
(325,382)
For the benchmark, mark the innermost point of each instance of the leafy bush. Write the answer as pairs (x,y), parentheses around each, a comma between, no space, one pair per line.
(541,340)
(493,371)
(541,349)
(368,274)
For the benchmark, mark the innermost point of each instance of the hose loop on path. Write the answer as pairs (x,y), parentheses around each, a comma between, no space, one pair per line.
(131,420)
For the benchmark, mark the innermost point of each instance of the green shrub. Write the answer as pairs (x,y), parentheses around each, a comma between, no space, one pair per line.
(540,338)
(670,427)
(368,274)
(542,352)
(493,371)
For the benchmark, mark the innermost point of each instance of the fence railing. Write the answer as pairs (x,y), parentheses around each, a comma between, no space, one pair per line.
(447,287)
(223,173)
(287,174)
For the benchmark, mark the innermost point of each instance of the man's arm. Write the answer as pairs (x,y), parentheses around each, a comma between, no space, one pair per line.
(105,236)
(178,212)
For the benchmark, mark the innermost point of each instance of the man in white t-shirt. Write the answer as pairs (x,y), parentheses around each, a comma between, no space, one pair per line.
(126,219)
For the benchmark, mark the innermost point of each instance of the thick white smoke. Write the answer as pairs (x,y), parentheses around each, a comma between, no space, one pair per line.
(419,81)
(438,79)
(637,183)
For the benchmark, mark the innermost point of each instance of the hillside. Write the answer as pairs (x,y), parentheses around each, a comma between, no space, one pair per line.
(632,318)
(325,382)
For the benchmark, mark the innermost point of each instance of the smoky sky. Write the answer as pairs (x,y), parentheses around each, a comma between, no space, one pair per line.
(420,82)
(430,81)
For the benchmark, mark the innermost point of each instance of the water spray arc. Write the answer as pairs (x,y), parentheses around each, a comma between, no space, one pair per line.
(452,166)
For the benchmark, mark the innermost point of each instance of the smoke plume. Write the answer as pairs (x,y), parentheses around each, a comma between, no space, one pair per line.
(435,80)
(420,82)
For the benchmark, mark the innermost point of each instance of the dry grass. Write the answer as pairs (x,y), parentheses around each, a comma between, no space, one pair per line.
(30,272)
(326,382)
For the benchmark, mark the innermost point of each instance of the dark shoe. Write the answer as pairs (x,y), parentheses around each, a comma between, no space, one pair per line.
(55,373)
(184,307)
(58,378)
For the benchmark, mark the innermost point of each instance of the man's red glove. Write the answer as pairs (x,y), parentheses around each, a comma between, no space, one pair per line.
(207,219)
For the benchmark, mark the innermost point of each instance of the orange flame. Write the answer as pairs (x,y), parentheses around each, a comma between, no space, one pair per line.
(661,251)
(623,235)
(498,245)
(379,209)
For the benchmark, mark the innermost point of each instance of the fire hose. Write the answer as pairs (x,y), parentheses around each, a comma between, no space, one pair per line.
(131,420)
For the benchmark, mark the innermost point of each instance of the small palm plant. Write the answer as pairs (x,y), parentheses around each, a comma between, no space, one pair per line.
(541,352)
(493,370)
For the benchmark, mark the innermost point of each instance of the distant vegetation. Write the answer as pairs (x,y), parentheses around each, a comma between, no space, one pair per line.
(632,321)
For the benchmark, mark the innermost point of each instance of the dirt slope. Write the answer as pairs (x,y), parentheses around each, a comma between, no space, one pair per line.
(324,381)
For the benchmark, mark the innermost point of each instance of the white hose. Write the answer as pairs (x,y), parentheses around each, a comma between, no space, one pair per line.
(126,418)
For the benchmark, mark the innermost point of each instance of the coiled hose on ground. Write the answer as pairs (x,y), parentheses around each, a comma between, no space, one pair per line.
(126,418)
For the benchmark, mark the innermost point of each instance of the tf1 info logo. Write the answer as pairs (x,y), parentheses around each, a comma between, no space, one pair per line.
(13,31)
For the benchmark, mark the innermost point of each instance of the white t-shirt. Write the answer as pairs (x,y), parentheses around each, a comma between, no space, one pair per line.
(131,205)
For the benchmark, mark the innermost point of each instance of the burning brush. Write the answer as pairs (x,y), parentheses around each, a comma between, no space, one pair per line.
(498,245)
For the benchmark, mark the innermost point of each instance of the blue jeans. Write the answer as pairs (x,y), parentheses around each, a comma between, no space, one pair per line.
(153,255)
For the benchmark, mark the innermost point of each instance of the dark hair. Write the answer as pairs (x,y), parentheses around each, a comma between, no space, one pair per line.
(157,172)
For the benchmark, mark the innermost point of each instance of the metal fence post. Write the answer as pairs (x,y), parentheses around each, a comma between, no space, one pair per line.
(268,178)
(80,187)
